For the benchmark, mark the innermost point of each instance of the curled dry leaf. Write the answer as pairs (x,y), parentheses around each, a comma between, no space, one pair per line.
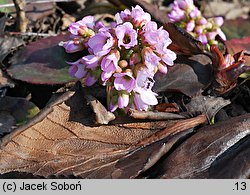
(62,141)
(206,147)
(238,45)
(227,69)
(207,105)
(189,75)
(102,116)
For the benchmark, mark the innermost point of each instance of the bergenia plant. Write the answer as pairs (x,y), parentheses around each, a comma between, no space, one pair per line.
(187,16)
(124,57)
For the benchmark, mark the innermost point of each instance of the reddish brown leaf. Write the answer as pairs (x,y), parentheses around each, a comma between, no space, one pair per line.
(189,75)
(183,42)
(236,45)
(227,69)
(42,62)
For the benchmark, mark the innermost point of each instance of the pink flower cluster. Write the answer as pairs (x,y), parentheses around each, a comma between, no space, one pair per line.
(186,15)
(124,57)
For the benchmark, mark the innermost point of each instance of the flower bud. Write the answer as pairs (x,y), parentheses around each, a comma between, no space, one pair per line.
(218,21)
(190,26)
(123,100)
(123,63)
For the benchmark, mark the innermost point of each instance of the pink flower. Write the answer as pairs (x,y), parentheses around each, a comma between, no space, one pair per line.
(90,80)
(190,26)
(123,100)
(157,38)
(163,68)
(143,96)
(134,59)
(124,81)
(168,57)
(150,58)
(112,107)
(139,17)
(211,35)
(101,43)
(199,29)
(144,80)
(91,61)
(126,35)
(150,26)
(184,4)
(195,13)
(72,46)
(221,34)
(77,69)
(176,14)
(109,65)
(122,16)
(202,21)
(145,99)
(218,21)
(202,38)
(99,25)
(86,22)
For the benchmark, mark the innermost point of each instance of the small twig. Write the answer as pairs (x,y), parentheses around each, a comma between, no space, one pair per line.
(21,20)
(153,115)
(32,34)
(35,2)
(177,127)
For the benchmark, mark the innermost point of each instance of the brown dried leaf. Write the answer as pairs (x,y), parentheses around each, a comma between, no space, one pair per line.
(62,141)
(102,116)
(208,146)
